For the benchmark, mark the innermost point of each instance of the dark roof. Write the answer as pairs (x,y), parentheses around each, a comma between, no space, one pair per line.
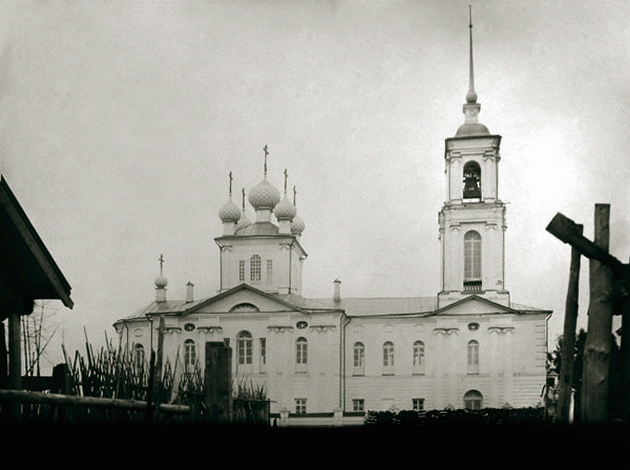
(28,270)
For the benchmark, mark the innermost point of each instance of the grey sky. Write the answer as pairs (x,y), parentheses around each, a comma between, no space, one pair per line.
(121,120)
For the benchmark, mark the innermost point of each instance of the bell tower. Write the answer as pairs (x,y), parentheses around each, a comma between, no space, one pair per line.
(472,220)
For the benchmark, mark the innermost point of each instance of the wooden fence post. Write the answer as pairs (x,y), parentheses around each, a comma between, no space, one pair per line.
(218,383)
(596,378)
(568,336)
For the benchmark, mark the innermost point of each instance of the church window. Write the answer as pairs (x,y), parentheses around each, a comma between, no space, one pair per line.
(472,181)
(255,268)
(300,406)
(417,404)
(244,347)
(473,400)
(244,307)
(473,357)
(190,353)
(241,270)
(359,359)
(472,261)
(269,271)
(263,353)
(139,356)
(388,358)
(301,354)
(418,357)
(358,404)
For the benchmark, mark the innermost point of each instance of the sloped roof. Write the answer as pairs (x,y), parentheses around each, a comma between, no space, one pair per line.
(352,307)
(370,306)
(28,269)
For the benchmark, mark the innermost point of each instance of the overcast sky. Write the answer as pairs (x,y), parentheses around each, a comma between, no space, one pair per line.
(121,120)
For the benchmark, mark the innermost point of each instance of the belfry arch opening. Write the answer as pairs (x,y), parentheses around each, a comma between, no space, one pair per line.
(472,180)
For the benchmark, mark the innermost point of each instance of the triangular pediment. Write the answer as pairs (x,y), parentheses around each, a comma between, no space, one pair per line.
(474,305)
(244,299)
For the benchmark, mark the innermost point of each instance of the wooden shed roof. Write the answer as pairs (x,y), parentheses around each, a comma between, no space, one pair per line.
(27,269)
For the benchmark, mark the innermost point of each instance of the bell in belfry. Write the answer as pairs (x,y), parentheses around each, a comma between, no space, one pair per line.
(471,182)
(471,186)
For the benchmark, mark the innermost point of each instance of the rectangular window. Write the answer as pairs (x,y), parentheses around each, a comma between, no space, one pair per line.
(241,270)
(417,404)
(255,268)
(388,358)
(269,271)
(263,353)
(358,404)
(300,406)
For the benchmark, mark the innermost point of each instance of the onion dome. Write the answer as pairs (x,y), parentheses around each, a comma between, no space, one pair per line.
(297,225)
(160,282)
(264,196)
(243,222)
(230,212)
(284,209)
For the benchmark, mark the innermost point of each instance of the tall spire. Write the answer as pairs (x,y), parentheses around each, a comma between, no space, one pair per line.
(471,108)
(471,97)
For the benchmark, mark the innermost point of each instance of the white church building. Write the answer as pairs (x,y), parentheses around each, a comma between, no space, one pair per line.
(467,346)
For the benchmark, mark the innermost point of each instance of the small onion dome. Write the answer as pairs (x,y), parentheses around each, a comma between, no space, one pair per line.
(285,210)
(297,225)
(264,196)
(471,96)
(230,212)
(243,221)
(160,282)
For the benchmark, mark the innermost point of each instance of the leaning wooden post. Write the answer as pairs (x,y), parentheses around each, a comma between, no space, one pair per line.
(596,378)
(625,358)
(568,335)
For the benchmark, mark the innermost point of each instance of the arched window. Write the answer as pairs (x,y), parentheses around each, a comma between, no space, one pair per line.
(244,346)
(301,354)
(472,180)
(388,357)
(359,359)
(473,357)
(244,307)
(190,353)
(472,261)
(473,400)
(255,266)
(418,357)
(138,356)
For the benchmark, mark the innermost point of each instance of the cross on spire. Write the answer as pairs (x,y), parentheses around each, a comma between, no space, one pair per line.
(266,153)
(231,177)
(161,259)
(294,193)
(286,175)
(243,191)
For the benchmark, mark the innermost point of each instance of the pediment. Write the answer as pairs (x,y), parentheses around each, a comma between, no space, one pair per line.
(244,299)
(474,305)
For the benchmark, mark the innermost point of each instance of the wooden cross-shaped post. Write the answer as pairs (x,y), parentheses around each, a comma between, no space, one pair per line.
(604,270)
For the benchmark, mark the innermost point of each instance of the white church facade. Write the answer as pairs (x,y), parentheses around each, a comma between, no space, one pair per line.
(467,346)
